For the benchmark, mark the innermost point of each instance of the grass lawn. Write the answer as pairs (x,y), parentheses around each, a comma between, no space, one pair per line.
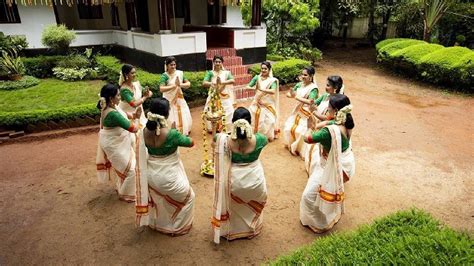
(51,94)
(410,237)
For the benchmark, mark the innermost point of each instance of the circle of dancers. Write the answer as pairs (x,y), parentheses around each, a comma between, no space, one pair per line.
(142,148)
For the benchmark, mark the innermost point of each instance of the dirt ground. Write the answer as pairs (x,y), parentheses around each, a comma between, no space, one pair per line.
(413,145)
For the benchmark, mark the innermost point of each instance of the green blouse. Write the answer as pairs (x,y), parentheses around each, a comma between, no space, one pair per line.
(312,95)
(171,144)
(127,95)
(254,81)
(253,156)
(324,137)
(209,76)
(164,79)
(322,98)
(115,119)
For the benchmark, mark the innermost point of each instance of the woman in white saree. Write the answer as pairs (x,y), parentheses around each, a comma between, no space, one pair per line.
(322,202)
(172,83)
(220,79)
(131,92)
(239,181)
(334,85)
(265,106)
(305,92)
(165,199)
(115,149)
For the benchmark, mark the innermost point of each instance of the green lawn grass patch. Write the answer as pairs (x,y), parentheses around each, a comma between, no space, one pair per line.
(411,237)
(51,94)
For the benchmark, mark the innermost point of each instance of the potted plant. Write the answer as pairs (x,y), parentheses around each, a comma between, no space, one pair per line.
(11,64)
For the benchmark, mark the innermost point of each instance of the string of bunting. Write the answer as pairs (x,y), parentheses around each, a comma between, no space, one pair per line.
(62,2)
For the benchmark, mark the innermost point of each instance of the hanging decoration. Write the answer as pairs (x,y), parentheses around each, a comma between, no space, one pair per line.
(60,2)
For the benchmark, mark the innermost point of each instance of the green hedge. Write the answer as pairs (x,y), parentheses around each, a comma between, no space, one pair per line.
(19,120)
(381,44)
(41,66)
(464,70)
(439,66)
(409,237)
(451,66)
(275,57)
(23,83)
(111,66)
(386,52)
(408,58)
(286,71)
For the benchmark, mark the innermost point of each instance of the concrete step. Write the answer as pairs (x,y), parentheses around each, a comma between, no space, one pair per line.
(242,79)
(241,93)
(230,61)
(238,70)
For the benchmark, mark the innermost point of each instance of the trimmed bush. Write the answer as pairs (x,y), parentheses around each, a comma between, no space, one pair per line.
(57,37)
(438,67)
(275,57)
(74,61)
(410,237)
(452,66)
(464,71)
(41,66)
(385,42)
(286,71)
(23,83)
(385,53)
(408,58)
(19,120)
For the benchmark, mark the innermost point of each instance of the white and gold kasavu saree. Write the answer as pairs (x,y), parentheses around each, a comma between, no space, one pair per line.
(322,202)
(296,124)
(165,199)
(115,151)
(137,95)
(240,195)
(265,109)
(179,110)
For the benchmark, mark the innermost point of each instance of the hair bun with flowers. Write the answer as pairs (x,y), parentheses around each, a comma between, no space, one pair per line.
(102,103)
(159,119)
(341,115)
(245,128)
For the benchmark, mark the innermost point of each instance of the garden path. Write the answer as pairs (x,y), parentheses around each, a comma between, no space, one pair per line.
(413,146)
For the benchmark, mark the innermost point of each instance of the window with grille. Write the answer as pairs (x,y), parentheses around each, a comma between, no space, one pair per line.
(9,13)
(89,11)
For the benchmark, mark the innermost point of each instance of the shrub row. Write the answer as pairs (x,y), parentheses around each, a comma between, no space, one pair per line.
(286,71)
(19,120)
(41,66)
(23,83)
(451,66)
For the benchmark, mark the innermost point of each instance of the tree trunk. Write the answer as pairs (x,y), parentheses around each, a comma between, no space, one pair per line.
(386,18)
(427,34)
(371,26)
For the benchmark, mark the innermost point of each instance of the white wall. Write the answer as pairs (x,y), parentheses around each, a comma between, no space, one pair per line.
(33,20)
(234,17)
(183,43)
(159,44)
(250,38)
(359,26)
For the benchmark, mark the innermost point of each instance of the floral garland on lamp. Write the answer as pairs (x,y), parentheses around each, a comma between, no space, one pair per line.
(213,113)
